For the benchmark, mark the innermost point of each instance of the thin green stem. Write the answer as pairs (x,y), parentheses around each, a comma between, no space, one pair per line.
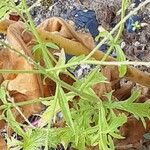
(20,112)
(106,63)
(52,116)
(45,52)
(29,102)
(123,10)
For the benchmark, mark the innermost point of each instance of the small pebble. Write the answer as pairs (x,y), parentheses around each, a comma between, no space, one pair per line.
(59,116)
(82,70)
(86,19)
(104,48)
(137,2)
(123,44)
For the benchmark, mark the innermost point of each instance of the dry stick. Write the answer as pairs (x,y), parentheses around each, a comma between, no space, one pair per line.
(76,48)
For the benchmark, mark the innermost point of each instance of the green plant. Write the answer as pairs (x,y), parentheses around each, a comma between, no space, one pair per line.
(136,26)
(91,121)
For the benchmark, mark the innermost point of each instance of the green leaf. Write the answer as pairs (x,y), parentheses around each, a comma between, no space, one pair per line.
(116,136)
(49,113)
(13,123)
(94,139)
(3,95)
(82,142)
(135,95)
(94,77)
(3,11)
(4,8)
(62,59)
(139,110)
(37,52)
(47,103)
(103,126)
(91,79)
(33,139)
(46,55)
(109,96)
(111,143)
(36,47)
(63,102)
(75,59)
(121,57)
(61,62)
(52,45)
(147,136)
(91,92)
(116,122)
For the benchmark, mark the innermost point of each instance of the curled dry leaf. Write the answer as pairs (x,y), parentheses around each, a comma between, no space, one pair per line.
(59,27)
(21,87)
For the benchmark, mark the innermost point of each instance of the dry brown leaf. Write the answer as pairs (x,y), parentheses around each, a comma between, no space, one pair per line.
(133,132)
(124,92)
(101,88)
(21,87)
(59,26)
(3,145)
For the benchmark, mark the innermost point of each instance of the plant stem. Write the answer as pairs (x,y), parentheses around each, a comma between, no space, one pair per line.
(29,102)
(123,10)
(94,62)
(105,63)
(52,116)
(46,55)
